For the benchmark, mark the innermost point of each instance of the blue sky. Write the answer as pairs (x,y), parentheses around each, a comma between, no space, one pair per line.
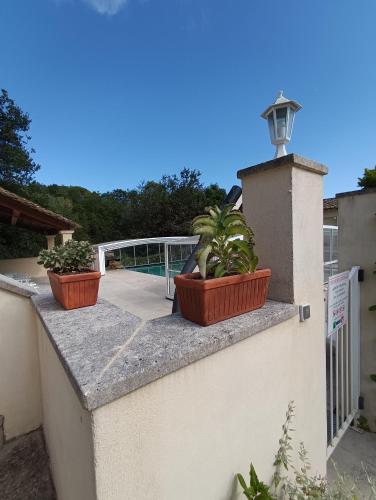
(122,91)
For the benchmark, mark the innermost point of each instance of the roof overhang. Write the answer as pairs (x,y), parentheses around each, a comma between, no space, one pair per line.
(18,211)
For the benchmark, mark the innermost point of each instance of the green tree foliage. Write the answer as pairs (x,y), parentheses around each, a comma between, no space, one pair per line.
(18,242)
(167,207)
(97,214)
(163,208)
(369,178)
(17,168)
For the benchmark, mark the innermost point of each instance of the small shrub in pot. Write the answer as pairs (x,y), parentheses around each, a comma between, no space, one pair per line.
(228,283)
(73,283)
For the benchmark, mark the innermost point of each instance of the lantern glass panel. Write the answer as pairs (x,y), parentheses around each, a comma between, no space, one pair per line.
(281,115)
(271,126)
(290,122)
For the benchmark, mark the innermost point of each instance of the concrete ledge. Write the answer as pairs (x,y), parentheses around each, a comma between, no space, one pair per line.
(356,193)
(291,160)
(108,353)
(14,286)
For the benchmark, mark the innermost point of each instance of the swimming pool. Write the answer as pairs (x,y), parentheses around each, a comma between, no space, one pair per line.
(159,269)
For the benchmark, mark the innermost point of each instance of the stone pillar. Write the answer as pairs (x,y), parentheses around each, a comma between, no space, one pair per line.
(357,247)
(66,235)
(50,241)
(283,204)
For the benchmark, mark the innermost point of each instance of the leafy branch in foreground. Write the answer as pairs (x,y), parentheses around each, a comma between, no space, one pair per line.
(301,485)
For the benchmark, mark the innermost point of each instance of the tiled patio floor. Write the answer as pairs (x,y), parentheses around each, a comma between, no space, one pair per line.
(141,294)
(138,293)
(24,469)
(354,449)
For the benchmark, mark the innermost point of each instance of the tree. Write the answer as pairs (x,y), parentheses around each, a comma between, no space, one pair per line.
(187,197)
(155,208)
(369,178)
(214,195)
(165,207)
(17,168)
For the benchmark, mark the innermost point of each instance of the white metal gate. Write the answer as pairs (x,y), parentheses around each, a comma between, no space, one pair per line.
(342,366)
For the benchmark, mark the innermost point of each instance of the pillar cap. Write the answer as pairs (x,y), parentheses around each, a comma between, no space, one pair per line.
(291,160)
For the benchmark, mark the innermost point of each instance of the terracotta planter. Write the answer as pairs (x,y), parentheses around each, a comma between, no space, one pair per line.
(209,301)
(75,290)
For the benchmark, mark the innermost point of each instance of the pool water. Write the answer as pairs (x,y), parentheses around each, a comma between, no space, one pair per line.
(159,269)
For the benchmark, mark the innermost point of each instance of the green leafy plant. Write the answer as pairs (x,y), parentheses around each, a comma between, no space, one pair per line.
(362,423)
(256,488)
(73,257)
(369,178)
(226,243)
(301,485)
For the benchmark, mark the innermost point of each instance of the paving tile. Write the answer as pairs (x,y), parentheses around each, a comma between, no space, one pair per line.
(354,449)
(24,469)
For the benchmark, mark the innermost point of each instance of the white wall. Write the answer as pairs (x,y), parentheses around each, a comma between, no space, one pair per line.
(67,428)
(357,246)
(27,265)
(187,434)
(20,399)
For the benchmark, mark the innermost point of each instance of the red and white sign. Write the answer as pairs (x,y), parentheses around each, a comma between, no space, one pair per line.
(338,301)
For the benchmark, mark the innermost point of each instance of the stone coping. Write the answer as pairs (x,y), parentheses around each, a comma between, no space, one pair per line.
(287,160)
(108,353)
(14,286)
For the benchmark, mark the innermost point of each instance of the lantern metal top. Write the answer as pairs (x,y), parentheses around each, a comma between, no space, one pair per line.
(280,102)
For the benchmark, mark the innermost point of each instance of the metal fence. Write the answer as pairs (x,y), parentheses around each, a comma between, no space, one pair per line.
(170,252)
(176,254)
(343,367)
(139,252)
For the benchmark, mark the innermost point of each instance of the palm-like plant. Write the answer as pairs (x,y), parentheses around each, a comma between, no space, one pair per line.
(226,243)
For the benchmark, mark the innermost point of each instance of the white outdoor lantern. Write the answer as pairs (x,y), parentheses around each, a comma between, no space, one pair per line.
(280,116)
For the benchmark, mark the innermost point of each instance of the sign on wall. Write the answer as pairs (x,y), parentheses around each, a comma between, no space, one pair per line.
(338,301)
